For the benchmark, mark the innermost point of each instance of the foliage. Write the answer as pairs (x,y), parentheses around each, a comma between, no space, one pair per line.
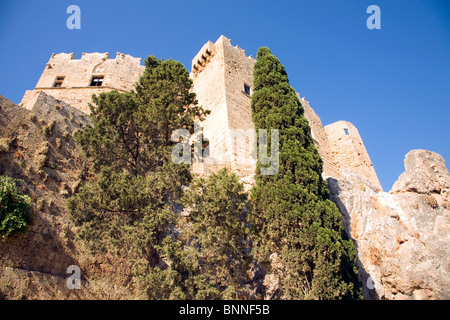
(208,260)
(14,207)
(291,214)
(129,208)
(132,131)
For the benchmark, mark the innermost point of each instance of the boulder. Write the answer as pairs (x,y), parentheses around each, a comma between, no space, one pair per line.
(425,172)
(402,237)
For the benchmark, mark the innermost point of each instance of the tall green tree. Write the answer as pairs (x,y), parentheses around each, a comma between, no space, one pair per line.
(132,131)
(291,216)
(208,260)
(129,207)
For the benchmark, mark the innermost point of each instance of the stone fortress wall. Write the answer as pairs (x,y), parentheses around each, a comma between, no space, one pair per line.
(348,150)
(219,79)
(69,79)
(222,77)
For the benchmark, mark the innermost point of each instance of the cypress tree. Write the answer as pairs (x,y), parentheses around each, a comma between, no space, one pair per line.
(291,215)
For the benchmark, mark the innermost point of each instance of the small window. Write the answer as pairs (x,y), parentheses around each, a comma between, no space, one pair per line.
(58,82)
(246,89)
(205,147)
(346,132)
(97,81)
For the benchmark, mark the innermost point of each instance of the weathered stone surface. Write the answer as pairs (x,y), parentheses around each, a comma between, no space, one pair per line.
(33,265)
(119,74)
(19,284)
(425,172)
(348,150)
(402,240)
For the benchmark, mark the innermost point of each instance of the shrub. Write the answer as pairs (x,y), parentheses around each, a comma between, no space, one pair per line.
(58,143)
(41,156)
(14,207)
(32,117)
(4,145)
(48,130)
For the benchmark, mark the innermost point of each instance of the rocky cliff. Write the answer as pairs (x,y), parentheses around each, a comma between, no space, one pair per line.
(37,146)
(402,237)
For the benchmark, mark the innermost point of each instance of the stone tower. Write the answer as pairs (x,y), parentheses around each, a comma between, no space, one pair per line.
(223,81)
(349,151)
(75,80)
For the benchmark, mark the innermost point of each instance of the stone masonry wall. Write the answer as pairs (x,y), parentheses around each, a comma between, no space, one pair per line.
(238,74)
(219,72)
(209,85)
(349,151)
(320,139)
(120,74)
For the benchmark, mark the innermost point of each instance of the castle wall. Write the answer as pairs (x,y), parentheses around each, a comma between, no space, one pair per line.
(320,139)
(238,74)
(119,74)
(221,75)
(219,81)
(349,151)
(209,85)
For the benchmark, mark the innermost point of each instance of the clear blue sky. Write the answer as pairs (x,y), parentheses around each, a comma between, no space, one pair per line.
(393,83)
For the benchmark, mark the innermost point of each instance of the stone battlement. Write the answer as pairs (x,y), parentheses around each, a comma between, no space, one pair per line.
(75,80)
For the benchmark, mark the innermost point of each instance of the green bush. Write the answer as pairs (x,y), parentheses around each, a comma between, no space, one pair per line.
(14,207)
(291,216)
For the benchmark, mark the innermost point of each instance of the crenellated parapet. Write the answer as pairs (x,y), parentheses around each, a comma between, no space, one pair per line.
(75,80)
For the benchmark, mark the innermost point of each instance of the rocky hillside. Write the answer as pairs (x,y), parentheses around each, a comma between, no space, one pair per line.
(402,237)
(37,146)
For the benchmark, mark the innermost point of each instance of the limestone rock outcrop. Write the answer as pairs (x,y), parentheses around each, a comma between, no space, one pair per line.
(402,237)
(425,172)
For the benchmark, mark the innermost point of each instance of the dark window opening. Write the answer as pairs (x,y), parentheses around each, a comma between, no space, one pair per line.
(97,81)
(58,82)
(246,89)
(346,132)
(205,148)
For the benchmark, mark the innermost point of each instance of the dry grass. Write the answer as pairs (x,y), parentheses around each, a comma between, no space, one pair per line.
(4,145)
(431,201)
(48,130)
(41,156)
(32,117)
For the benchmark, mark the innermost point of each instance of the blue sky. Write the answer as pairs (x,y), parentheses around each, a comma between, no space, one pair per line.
(392,83)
